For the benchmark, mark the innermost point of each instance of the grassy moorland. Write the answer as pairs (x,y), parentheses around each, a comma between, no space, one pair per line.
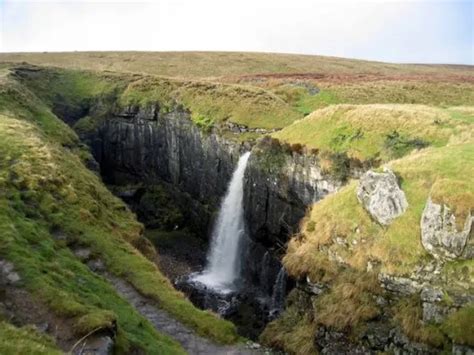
(224,64)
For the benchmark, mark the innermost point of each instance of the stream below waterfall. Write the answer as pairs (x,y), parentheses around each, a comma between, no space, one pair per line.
(228,273)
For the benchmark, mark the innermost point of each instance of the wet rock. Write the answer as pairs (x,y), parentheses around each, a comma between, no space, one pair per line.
(440,236)
(377,335)
(431,294)
(142,144)
(462,350)
(399,285)
(95,345)
(96,265)
(7,273)
(381,196)
(433,313)
(400,344)
(82,253)
(312,287)
(331,342)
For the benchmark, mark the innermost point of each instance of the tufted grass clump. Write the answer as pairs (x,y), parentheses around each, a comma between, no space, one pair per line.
(295,329)
(408,315)
(25,340)
(460,325)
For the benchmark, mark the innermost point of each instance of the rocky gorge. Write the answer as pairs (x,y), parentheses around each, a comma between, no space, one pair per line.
(143,145)
(321,270)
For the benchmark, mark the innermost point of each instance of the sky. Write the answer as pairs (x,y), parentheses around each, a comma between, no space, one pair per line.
(408,31)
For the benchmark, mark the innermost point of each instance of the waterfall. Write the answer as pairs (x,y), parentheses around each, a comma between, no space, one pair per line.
(279,291)
(222,269)
(264,276)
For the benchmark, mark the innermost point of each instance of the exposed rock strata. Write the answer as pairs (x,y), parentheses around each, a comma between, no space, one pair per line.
(440,235)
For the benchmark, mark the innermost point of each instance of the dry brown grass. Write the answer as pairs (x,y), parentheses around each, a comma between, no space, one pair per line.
(217,64)
(349,302)
(408,314)
(295,329)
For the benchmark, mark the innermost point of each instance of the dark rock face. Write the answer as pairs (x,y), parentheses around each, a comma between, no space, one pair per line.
(143,144)
(277,193)
(147,146)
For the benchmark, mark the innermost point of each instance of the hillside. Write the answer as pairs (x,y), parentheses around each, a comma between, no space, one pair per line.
(352,164)
(56,217)
(229,64)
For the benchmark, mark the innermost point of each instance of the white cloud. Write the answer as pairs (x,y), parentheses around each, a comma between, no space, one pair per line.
(412,31)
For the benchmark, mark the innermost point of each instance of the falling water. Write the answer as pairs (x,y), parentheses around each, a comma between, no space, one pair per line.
(279,290)
(222,269)
(264,276)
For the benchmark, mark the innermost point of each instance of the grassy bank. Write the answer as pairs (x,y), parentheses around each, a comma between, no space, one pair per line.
(50,205)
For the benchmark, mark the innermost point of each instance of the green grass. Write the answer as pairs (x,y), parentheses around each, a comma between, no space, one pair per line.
(71,92)
(16,100)
(43,193)
(374,132)
(25,340)
(460,325)
(408,314)
(397,249)
(213,103)
(422,91)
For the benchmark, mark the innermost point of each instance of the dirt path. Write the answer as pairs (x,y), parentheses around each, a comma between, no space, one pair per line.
(163,322)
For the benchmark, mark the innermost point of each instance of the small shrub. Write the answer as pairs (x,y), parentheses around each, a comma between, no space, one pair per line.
(294,330)
(460,326)
(297,148)
(205,123)
(399,145)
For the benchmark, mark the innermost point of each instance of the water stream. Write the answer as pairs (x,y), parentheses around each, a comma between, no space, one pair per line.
(223,269)
(279,292)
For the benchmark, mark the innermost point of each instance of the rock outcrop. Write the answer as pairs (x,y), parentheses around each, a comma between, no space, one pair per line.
(381,196)
(145,145)
(440,236)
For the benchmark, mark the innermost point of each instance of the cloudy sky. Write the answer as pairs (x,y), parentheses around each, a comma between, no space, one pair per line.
(397,31)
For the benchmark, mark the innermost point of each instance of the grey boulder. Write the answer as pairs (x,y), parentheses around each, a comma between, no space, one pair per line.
(381,196)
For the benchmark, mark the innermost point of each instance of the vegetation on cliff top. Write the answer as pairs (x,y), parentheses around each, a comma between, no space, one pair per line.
(376,132)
